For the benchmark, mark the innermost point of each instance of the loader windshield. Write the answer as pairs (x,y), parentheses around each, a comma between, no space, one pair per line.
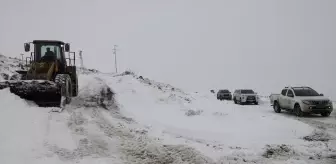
(47,51)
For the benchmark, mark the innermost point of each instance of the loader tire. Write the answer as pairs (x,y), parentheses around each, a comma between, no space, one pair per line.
(64,81)
(75,89)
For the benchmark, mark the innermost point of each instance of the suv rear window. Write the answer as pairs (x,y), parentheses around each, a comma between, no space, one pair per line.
(246,91)
(224,91)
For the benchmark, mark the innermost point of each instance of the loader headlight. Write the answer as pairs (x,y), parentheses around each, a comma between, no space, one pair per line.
(330,103)
(306,102)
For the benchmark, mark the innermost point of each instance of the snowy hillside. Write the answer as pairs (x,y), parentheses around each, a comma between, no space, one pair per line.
(8,66)
(148,122)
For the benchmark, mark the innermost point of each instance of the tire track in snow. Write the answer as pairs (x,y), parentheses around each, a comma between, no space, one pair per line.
(89,143)
(139,148)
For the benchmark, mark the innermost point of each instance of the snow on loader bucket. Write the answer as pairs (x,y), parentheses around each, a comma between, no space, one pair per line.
(43,93)
(49,81)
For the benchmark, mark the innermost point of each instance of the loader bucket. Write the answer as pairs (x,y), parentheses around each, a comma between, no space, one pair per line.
(43,93)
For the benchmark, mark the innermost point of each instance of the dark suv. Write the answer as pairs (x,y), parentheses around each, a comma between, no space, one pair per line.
(224,94)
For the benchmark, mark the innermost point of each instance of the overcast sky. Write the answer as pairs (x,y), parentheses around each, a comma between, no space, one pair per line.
(194,44)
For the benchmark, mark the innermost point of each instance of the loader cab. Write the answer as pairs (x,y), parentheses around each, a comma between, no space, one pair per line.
(49,51)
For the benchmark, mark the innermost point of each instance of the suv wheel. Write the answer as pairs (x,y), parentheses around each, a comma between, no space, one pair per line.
(325,114)
(240,102)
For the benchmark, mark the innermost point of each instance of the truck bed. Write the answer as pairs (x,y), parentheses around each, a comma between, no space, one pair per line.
(273,97)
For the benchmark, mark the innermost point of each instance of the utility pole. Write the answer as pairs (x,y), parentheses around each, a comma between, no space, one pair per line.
(115,57)
(21,57)
(21,64)
(81,59)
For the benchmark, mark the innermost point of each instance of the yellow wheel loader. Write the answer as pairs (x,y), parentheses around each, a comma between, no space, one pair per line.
(49,80)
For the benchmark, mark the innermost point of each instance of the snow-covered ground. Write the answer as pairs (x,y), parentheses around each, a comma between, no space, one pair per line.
(148,122)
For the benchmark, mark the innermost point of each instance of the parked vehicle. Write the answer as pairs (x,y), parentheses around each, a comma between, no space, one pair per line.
(243,96)
(224,94)
(301,100)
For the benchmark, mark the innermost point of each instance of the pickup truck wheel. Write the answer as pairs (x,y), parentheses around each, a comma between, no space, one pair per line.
(276,107)
(298,111)
(234,100)
(325,114)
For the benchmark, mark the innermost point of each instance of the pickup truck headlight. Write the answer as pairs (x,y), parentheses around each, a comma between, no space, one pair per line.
(306,102)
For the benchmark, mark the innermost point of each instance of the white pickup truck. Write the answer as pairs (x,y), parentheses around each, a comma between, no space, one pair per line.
(301,100)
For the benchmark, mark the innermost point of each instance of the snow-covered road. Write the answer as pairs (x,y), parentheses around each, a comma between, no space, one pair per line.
(151,123)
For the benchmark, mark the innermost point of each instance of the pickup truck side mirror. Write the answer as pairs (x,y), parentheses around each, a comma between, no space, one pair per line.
(290,95)
(321,94)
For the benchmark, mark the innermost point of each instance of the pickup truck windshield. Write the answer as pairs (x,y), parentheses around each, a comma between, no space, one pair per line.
(247,91)
(305,92)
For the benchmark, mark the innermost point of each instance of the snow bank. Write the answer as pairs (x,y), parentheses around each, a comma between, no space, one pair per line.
(122,135)
(216,128)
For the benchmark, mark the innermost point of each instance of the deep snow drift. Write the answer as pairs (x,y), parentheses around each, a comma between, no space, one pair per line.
(146,122)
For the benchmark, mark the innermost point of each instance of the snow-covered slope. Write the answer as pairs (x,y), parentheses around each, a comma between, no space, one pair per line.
(148,122)
(8,66)
(220,130)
